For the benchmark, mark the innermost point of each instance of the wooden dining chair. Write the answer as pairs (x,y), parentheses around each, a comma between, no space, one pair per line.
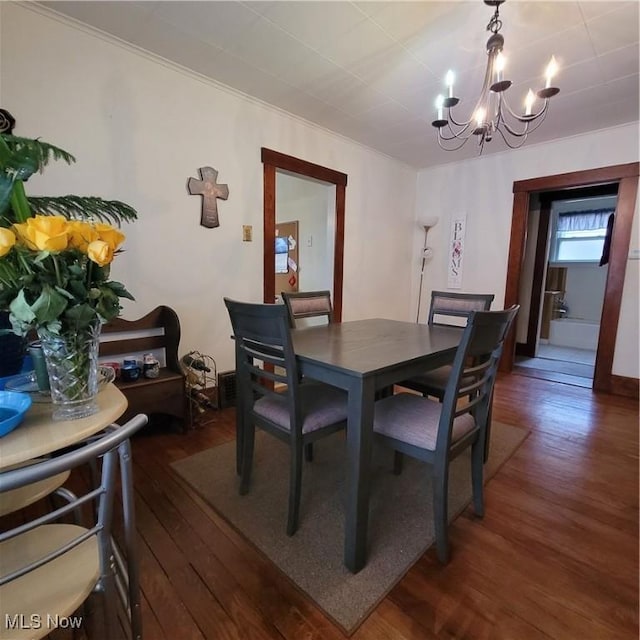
(302,305)
(308,304)
(272,396)
(435,432)
(49,568)
(451,310)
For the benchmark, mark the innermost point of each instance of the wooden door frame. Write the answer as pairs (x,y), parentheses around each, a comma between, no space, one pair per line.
(626,175)
(273,160)
(539,273)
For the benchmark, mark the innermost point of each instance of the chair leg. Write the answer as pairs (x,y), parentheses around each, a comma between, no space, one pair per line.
(248,440)
(440,512)
(477,469)
(398,459)
(308,452)
(130,569)
(488,430)
(110,596)
(295,481)
(239,440)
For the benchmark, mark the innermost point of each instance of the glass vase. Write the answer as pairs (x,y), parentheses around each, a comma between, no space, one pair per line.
(72,364)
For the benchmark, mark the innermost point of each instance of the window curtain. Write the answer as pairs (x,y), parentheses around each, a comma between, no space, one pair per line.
(584,220)
(606,247)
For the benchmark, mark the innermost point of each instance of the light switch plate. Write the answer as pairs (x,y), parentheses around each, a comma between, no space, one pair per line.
(247,233)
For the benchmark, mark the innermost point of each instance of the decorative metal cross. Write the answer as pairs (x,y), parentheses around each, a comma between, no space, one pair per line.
(210,191)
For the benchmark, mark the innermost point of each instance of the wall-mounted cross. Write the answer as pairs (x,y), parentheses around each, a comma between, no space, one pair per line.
(210,191)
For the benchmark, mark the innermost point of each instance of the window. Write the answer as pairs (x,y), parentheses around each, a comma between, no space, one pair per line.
(579,236)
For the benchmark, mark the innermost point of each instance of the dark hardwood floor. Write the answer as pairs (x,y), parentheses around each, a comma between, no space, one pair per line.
(556,555)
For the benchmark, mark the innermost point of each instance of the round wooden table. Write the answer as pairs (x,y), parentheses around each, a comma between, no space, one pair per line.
(39,435)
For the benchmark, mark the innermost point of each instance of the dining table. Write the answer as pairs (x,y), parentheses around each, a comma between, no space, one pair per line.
(364,357)
(39,435)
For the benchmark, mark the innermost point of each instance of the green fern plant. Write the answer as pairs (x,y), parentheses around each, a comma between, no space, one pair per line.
(20,158)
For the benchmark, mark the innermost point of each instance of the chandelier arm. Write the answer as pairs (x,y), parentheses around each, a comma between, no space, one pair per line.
(482,98)
(528,129)
(521,139)
(458,124)
(459,146)
(525,119)
(444,138)
(457,134)
(516,134)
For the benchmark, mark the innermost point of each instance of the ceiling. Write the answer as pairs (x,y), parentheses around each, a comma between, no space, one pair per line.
(371,70)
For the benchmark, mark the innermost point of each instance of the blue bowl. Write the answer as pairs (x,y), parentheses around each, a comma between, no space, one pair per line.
(13,406)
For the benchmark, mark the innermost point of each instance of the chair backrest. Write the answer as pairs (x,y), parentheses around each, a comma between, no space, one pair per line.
(308,304)
(473,373)
(447,305)
(265,359)
(45,539)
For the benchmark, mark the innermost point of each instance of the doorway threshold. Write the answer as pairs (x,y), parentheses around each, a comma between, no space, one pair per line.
(553,376)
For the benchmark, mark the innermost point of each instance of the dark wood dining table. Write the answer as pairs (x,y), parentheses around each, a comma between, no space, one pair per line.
(363,357)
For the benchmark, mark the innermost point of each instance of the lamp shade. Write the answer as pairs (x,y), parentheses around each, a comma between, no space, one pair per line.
(428,222)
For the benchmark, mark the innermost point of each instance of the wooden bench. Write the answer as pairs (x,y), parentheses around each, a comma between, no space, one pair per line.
(157,332)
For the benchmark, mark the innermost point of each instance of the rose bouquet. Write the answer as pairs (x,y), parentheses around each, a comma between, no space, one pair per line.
(54,274)
(55,252)
(55,260)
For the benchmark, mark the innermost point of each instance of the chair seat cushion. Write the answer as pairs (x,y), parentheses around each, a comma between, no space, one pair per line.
(53,591)
(322,405)
(435,380)
(414,419)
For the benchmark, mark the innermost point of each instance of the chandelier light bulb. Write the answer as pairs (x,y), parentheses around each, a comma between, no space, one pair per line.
(448,80)
(439,105)
(552,69)
(480,115)
(528,103)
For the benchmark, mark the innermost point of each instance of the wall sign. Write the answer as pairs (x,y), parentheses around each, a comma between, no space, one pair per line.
(456,251)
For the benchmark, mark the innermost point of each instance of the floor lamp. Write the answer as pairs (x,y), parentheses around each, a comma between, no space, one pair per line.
(427,254)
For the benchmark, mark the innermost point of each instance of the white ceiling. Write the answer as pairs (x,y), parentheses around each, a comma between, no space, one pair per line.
(371,70)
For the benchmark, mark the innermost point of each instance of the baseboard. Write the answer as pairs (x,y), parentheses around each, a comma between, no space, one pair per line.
(623,386)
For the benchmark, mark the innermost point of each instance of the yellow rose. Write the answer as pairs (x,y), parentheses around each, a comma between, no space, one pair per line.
(81,234)
(100,252)
(7,240)
(44,233)
(113,237)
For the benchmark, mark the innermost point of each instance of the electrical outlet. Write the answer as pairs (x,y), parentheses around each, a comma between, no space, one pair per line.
(247,233)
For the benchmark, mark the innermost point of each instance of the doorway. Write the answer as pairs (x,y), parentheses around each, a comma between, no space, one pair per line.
(626,177)
(563,283)
(274,162)
(305,223)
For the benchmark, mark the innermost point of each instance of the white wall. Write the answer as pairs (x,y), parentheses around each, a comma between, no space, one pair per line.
(140,127)
(483,188)
(585,291)
(310,203)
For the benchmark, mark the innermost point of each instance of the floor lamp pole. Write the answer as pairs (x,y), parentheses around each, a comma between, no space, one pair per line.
(424,259)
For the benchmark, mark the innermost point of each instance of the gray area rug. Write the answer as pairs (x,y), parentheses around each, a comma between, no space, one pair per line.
(400,521)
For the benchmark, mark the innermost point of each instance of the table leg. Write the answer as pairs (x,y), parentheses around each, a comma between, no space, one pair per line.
(359,438)
(239,417)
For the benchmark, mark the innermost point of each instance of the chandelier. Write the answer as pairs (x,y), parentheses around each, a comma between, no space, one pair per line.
(492,113)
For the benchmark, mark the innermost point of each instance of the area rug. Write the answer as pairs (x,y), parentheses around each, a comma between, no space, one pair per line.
(400,520)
